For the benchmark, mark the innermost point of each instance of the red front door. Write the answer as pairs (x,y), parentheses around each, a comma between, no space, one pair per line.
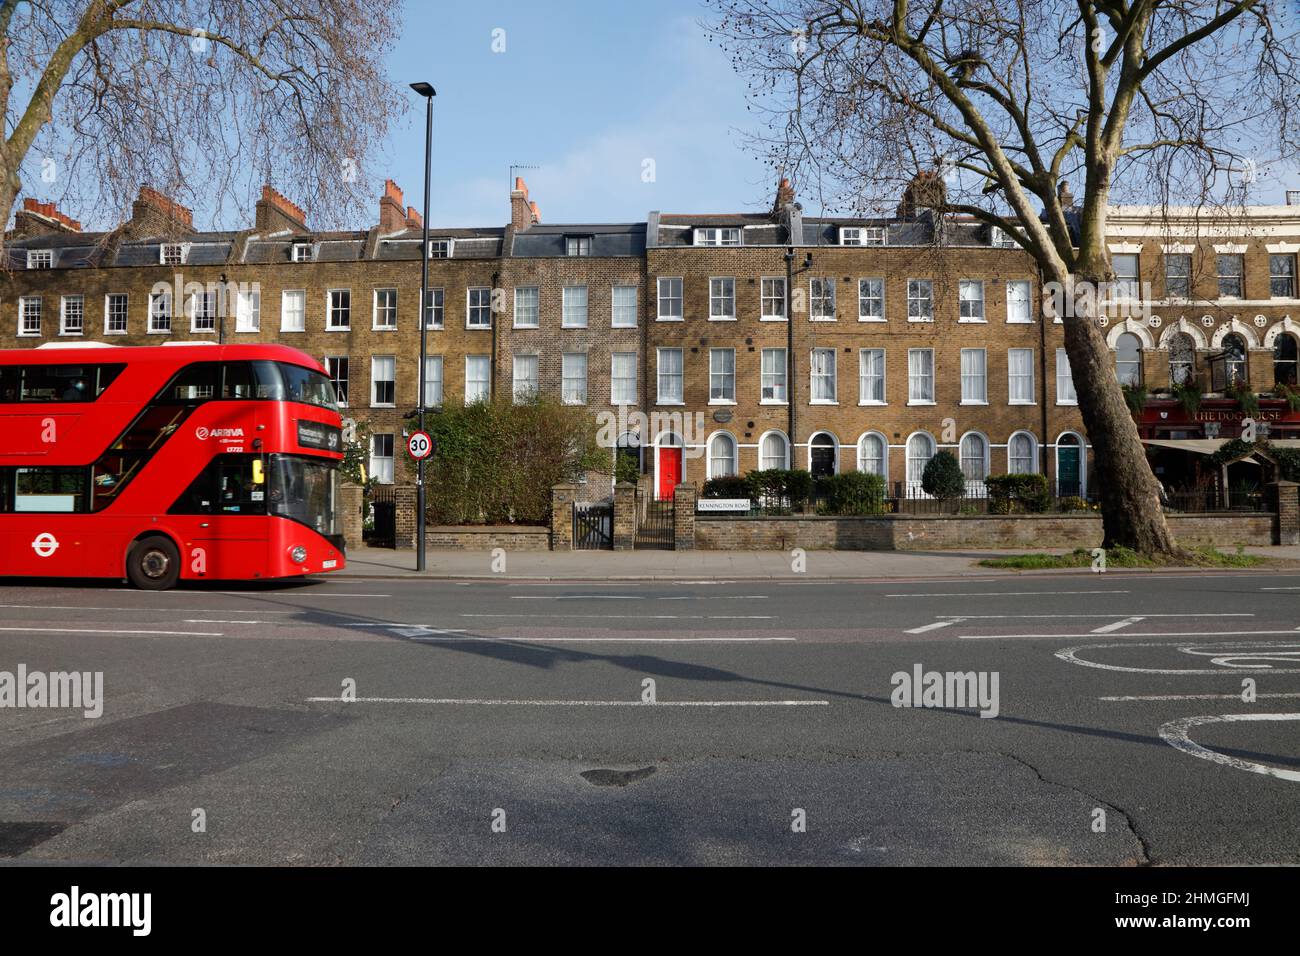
(670,472)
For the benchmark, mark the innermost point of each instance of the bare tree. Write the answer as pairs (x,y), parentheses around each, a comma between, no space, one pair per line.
(203,99)
(1138,99)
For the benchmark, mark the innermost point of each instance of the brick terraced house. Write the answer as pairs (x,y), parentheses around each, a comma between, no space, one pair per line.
(720,343)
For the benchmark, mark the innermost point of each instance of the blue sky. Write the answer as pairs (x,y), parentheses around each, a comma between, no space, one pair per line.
(585,90)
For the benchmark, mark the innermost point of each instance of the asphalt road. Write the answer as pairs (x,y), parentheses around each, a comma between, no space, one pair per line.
(506,723)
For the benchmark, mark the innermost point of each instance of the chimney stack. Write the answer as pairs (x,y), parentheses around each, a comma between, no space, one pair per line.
(152,212)
(276,213)
(925,191)
(413,218)
(392,212)
(42,218)
(522,212)
(784,196)
(1064,195)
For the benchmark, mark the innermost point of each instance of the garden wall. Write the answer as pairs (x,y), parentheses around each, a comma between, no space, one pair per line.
(949,532)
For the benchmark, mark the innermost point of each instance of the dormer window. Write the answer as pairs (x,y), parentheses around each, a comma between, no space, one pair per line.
(172,253)
(1002,239)
(862,236)
(302,252)
(577,245)
(440,248)
(717,237)
(40,258)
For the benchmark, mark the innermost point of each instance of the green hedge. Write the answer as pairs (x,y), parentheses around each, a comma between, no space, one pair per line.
(732,486)
(780,489)
(853,493)
(1018,494)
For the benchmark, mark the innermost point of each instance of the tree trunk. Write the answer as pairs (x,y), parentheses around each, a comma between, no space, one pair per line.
(1132,516)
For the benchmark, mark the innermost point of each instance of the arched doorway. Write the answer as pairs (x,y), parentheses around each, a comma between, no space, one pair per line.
(670,465)
(1071,476)
(821,455)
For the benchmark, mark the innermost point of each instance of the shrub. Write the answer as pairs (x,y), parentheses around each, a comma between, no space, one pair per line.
(778,489)
(1290,394)
(1074,503)
(853,493)
(1246,398)
(1189,396)
(731,486)
(497,461)
(943,477)
(1018,494)
(626,469)
(1135,396)
(1288,463)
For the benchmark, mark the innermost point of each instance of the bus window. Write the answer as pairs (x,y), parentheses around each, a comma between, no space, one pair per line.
(226,486)
(307,386)
(10,376)
(110,475)
(270,385)
(57,383)
(238,380)
(198,383)
(49,489)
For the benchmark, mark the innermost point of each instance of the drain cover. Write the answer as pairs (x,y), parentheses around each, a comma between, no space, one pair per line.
(615,778)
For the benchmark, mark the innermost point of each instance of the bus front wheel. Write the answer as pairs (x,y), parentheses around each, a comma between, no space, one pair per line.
(153,564)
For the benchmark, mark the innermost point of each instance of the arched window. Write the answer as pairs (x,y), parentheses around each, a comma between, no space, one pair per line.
(1128,359)
(975,457)
(920,449)
(871,454)
(1284,359)
(1022,454)
(1234,355)
(773,451)
(722,455)
(1182,359)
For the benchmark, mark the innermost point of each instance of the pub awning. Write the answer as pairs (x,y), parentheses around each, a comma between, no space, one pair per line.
(1208,446)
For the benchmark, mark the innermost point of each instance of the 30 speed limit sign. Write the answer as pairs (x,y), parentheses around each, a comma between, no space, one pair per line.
(420,445)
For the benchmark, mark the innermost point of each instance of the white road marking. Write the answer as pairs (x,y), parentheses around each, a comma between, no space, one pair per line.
(639,617)
(490,702)
(993,637)
(989,617)
(1107,628)
(200,620)
(611,640)
(1070,656)
(934,627)
(166,610)
(577,597)
(1176,733)
(1194,697)
(1295,588)
(93,630)
(996,593)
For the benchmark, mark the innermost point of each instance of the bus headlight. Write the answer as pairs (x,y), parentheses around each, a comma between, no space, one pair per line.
(298,554)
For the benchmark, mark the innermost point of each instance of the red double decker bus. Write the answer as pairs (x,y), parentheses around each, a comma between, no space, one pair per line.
(165,463)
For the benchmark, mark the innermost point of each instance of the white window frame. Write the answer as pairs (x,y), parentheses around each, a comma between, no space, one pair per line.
(622,387)
(915,379)
(623,315)
(303,252)
(972,304)
(568,368)
(435,306)
(192,306)
(1065,391)
(433,384)
(864,379)
(850,235)
(40,258)
(378,365)
(670,298)
(578,245)
(332,374)
(1012,377)
(64,301)
(574,314)
(376,310)
(722,379)
(920,291)
(483,306)
(817,303)
(832,377)
(718,236)
(884,454)
(533,381)
(302,311)
(1013,285)
(524,308)
(382,474)
(666,397)
(864,298)
(875,236)
(764,459)
(975,485)
(248,310)
(170,312)
(441,248)
(331,309)
(722,303)
(1033,452)
(777,380)
(974,381)
(482,391)
(913,474)
(733,460)
(765,297)
(182,254)
(125,314)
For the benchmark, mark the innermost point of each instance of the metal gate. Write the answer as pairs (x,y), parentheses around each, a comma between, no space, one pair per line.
(382,500)
(593,527)
(654,521)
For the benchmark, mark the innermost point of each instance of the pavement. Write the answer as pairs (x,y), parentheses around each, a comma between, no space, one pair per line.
(654,565)
(387,721)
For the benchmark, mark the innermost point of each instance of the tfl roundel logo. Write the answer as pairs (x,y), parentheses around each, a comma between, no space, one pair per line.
(201,433)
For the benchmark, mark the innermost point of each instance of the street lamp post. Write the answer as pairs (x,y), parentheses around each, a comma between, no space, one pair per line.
(428,92)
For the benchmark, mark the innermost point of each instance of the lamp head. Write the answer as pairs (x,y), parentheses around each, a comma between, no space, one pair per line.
(424,89)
